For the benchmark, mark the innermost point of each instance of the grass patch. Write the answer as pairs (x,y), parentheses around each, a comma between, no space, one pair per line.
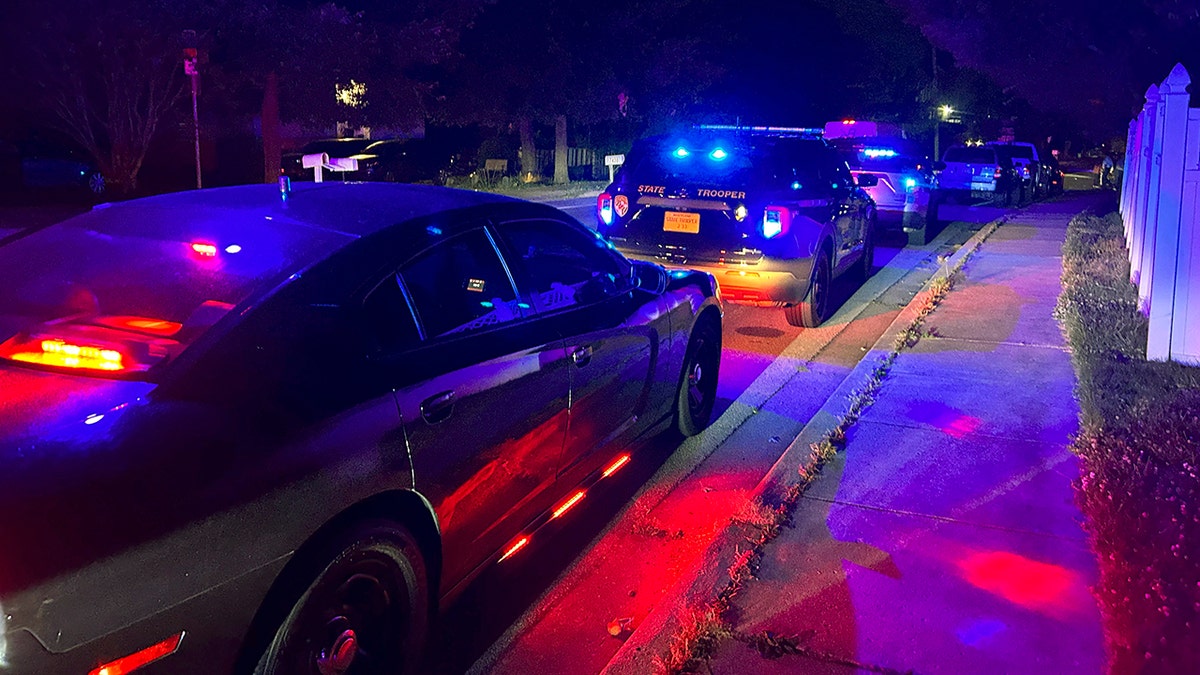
(1139,442)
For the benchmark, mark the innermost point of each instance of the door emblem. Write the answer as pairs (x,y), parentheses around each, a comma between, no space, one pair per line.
(621,205)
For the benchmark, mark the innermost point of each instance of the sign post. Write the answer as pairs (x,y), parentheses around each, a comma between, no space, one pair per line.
(190,58)
(612,162)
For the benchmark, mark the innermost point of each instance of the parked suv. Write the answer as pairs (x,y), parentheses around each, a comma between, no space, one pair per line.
(906,194)
(1027,164)
(978,172)
(774,214)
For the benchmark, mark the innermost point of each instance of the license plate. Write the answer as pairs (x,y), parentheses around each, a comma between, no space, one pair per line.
(981,186)
(679,221)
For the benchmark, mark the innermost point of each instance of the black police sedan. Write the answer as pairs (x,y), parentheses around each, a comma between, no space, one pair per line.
(253,432)
(773,214)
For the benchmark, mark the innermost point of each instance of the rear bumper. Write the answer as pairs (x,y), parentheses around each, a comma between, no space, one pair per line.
(770,283)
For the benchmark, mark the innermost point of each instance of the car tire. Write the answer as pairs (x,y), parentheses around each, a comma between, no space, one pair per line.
(698,383)
(814,309)
(366,597)
(866,264)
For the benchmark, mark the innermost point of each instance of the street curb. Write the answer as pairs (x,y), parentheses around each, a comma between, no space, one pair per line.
(711,574)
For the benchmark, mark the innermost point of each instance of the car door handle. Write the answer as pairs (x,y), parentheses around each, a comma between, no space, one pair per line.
(581,356)
(437,408)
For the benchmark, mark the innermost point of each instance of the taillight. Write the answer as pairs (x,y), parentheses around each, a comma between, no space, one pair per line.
(1025,172)
(776,221)
(604,208)
(999,173)
(135,661)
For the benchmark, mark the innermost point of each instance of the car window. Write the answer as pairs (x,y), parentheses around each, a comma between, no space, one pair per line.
(460,285)
(561,265)
(965,155)
(391,316)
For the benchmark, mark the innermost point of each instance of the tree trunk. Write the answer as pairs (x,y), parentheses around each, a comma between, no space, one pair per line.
(272,150)
(561,175)
(528,149)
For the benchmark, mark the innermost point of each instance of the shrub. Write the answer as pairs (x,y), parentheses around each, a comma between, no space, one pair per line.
(1139,441)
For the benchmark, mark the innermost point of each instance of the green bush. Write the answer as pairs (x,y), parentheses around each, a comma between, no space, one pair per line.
(1139,441)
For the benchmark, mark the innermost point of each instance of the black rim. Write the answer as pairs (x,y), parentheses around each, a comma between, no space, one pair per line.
(701,384)
(353,622)
(820,289)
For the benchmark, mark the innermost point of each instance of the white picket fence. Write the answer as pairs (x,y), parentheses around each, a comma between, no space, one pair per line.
(1160,206)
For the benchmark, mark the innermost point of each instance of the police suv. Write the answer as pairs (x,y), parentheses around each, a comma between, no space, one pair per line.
(772,213)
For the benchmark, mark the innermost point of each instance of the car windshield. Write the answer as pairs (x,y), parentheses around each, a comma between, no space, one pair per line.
(146,270)
(965,155)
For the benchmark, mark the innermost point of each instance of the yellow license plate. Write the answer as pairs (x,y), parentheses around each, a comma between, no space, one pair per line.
(679,221)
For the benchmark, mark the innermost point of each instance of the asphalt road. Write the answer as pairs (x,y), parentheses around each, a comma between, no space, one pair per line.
(547,610)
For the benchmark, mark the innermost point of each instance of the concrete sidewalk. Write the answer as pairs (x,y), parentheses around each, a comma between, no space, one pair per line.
(945,538)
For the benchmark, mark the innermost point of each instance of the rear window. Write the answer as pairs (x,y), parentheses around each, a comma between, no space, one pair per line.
(964,155)
(137,276)
(1016,151)
(737,161)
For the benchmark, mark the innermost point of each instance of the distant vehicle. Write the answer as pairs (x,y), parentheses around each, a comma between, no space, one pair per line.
(1054,175)
(45,167)
(774,214)
(978,172)
(906,194)
(1028,165)
(243,434)
(403,161)
(334,147)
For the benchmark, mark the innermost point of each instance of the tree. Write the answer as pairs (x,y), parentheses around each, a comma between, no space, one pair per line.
(106,79)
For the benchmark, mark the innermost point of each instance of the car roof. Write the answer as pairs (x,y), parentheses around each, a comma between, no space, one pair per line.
(354,209)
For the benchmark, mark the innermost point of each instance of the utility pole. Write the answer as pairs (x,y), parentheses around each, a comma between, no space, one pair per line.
(190,58)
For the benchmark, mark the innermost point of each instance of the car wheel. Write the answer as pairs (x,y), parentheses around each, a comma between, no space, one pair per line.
(866,264)
(698,384)
(814,309)
(96,183)
(365,610)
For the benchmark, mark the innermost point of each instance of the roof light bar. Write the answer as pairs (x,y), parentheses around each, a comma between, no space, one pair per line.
(781,131)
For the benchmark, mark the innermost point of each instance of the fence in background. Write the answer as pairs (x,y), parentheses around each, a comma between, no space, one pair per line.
(1160,206)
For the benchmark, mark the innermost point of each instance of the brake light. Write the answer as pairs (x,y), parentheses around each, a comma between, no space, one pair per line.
(517,546)
(1025,171)
(566,506)
(604,208)
(776,221)
(615,466)
(998,174)
(206,250)
(128,664)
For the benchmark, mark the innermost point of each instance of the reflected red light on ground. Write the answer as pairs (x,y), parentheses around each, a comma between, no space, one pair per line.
(1018,579)
(962,426)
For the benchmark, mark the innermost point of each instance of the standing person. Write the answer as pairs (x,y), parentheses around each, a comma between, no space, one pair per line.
(1106,171)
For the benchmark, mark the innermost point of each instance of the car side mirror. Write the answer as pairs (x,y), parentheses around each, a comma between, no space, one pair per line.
(867,180)
(649,277)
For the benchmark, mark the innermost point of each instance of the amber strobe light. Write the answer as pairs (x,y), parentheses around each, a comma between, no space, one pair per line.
(517,546)
(65,354)
(128,664)
(615,466)
(566,506)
